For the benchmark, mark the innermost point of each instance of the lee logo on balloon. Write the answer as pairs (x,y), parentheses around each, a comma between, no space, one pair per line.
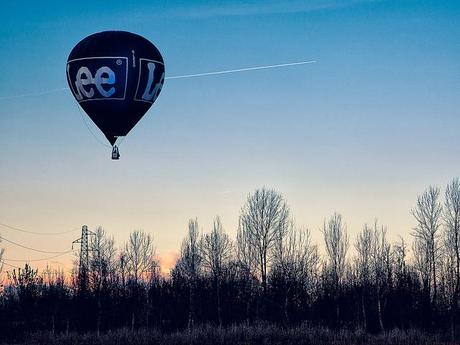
(98,78)
(150,80)
(105,78)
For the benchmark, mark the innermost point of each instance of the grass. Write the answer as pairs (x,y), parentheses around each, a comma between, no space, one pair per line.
(241,335)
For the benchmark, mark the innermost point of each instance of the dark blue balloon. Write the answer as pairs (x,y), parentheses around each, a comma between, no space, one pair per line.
(116,76)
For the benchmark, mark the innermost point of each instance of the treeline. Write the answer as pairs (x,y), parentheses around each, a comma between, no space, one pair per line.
(271,271)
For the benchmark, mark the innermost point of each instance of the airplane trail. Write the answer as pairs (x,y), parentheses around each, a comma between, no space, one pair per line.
(241,70)
(246,69)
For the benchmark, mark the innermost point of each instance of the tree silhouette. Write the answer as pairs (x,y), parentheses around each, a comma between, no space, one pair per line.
(189,265)
(271,272)
(264,218)
(336,243)
(216,249)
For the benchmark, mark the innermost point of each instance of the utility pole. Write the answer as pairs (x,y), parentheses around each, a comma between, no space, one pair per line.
(84,257)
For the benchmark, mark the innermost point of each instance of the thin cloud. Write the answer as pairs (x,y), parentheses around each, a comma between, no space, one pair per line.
(257,8)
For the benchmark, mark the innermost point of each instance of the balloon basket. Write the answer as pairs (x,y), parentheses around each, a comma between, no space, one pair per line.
(115,152)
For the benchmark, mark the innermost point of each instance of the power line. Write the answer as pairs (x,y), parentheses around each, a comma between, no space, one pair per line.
(37,233)
(5,263)
(29,248)
(41,259)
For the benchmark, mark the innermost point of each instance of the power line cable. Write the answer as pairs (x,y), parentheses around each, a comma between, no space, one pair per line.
(41,259)
(37,233)
(29,248)
(5,263)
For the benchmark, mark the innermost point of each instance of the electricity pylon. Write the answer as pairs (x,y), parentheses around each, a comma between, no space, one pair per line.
(84,257)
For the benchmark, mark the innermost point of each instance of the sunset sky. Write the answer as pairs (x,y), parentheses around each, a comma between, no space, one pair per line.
(363,131)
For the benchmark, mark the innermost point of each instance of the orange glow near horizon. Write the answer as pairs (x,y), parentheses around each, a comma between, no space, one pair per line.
(166,261)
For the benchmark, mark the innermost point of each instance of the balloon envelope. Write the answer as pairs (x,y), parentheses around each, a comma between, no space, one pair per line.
(115,76)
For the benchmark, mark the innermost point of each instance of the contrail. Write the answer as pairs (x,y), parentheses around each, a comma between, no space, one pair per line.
(34,93)
(241,70)
(246,69)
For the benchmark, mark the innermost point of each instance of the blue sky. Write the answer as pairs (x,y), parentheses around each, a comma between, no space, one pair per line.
(362,131)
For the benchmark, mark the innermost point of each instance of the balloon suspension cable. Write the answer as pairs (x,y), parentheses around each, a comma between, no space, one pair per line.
(89,129)
(120,140)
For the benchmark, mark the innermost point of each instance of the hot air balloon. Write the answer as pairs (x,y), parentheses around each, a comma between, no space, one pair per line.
(115,76)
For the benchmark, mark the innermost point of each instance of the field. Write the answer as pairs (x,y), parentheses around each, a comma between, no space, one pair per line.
(241,335)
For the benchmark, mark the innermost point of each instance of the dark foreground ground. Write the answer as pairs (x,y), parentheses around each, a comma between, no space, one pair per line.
(247,335)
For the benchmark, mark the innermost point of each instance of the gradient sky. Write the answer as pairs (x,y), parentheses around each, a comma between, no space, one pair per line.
(363,131)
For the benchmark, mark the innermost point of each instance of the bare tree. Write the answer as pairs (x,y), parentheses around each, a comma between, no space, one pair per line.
(102,267)
(54,287)
(102,259)
(154,282)
(403,279)
(336,242)
(381,266)
(451,217)
(247,265)
(122,268)
(363,246)
(245,253)
(139,254)
(2,250)
(263,219)
(296,260)
(138,258)
(422,263)
(399,258)
(216,249)
(427,213)
(190,263)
